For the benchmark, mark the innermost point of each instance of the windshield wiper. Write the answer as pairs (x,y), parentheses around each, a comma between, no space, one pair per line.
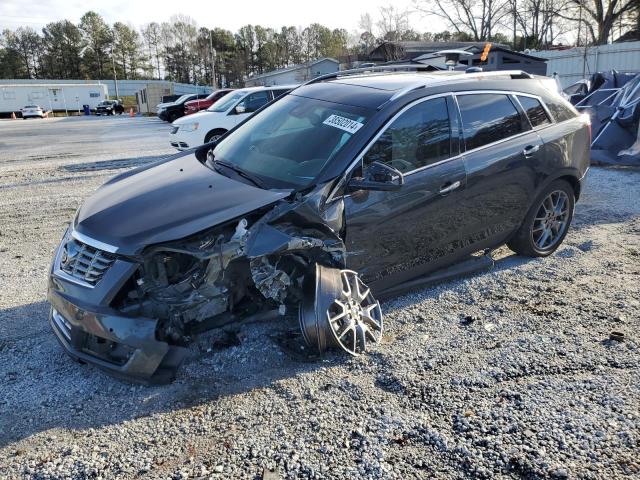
(242,172)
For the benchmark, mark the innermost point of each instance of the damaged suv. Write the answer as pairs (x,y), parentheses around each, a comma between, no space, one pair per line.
(352,186)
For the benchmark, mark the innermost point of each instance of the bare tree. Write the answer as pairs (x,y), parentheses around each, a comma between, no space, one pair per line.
(480,18)
(539,21)
(151,35)
(393,23)
(603,14)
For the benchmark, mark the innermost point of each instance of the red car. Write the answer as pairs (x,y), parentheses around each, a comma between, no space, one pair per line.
(193,106)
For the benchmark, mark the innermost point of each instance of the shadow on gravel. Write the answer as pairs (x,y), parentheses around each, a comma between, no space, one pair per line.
(42,389)
(112,164)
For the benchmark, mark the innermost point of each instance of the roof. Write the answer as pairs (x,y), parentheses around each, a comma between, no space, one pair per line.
(293,67)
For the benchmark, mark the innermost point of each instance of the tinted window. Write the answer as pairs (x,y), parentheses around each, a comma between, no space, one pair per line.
(254,101)
(419,137)
(487,118)
(559,109)
(278,93)
(536,113)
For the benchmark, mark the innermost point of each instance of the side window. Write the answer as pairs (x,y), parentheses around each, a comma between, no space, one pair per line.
(254,101)
(419,137)
(488,117)
(278,93)
(560,110)
(535,111)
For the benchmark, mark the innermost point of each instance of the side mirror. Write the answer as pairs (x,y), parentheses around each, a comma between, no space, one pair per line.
(380,177)
(240,109)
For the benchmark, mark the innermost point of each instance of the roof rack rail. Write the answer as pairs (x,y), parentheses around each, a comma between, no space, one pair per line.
(376,69)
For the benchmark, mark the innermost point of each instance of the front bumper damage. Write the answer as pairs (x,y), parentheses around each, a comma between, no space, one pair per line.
(137,320)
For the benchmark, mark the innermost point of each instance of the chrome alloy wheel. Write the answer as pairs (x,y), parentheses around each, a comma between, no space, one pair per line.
(339,311)
(551,220)
(355,317)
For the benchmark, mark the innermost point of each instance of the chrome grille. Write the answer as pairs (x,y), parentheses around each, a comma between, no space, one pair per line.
(85,262)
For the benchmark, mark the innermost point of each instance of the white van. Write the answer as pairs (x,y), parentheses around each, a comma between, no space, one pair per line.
(202,127)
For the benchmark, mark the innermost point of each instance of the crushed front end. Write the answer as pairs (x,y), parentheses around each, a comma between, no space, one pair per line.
(135,315)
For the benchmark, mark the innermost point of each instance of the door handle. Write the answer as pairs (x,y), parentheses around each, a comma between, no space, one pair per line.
(529,150)
(449,187)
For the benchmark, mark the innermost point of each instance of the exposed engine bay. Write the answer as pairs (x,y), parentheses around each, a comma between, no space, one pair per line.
(289,256)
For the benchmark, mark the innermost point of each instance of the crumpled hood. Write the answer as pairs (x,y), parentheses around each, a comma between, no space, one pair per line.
(166,201)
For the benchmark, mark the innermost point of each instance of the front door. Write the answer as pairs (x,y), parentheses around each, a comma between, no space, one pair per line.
(394,236)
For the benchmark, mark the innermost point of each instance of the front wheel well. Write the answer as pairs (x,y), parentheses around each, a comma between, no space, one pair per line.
(215,131)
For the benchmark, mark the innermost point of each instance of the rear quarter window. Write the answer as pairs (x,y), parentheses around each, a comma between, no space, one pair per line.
(560,109)
(534,110)
(487,118)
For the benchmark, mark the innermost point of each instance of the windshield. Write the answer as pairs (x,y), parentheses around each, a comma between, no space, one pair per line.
(287,144)
(183,98)
(225,102)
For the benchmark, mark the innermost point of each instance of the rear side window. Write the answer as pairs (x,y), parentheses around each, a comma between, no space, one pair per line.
(279,93)
(419,137)
(535,111)
(560,110)
(487,118)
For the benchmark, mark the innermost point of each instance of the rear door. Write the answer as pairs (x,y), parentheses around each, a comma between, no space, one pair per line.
(501,153)
(394,236)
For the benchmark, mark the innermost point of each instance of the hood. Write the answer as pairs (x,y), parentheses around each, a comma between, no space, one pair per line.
(194,117)
(166,201)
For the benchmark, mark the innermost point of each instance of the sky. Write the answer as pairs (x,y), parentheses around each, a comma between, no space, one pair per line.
(276,13)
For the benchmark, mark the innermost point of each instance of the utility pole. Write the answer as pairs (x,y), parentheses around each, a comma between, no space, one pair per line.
(213,60)
(515,47)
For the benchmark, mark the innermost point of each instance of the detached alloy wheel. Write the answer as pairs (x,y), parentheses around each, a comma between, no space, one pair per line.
(547,222)
(339,311)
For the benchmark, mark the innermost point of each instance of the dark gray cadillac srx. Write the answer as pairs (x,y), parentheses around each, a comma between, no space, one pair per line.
(377,178)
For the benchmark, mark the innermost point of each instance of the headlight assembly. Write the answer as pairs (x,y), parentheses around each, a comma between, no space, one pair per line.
(189,127)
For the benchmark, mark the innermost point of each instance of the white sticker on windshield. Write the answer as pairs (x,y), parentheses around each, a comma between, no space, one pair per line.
(343,123)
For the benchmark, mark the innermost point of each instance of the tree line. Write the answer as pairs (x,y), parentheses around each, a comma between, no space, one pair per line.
(179,50)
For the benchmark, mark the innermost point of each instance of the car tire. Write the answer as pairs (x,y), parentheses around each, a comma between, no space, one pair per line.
(547,221)
(214,134)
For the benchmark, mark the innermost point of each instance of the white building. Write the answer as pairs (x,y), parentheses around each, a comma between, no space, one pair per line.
(53,97)
(294,74)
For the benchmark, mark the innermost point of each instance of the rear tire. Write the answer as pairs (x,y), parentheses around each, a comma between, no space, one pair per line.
(547,222)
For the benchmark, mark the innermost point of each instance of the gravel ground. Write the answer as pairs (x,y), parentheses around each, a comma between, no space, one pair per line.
(508,374)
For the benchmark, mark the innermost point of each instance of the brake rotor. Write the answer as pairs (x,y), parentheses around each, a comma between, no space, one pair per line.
(339,310)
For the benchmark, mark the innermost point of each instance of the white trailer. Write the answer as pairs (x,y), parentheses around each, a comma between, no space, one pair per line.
(52,97)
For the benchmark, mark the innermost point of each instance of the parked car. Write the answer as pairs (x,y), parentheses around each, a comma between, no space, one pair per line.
(194,106)
(349,187)
(32,111)
(222,116)
(161,107)
(110,107)
(175,110)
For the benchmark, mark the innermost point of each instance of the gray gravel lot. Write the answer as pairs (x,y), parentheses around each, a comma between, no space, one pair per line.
(508,374)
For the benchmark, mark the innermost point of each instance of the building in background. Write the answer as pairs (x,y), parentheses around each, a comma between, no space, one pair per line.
(126,88)
(149,96)
(294,74)
(54,97)
(498,58)
(409,50)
